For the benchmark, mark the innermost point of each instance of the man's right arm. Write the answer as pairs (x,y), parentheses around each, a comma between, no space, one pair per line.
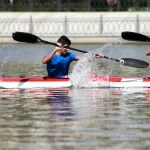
(49,56)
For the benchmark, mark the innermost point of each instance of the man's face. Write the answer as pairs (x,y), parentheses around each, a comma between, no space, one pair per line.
(64,50)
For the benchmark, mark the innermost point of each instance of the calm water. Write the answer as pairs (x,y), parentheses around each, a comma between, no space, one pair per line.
(73,118)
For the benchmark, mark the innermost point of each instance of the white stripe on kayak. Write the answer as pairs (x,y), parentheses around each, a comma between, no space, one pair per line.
(132,79)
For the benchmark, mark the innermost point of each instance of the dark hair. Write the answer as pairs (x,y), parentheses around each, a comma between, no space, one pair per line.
(64,40)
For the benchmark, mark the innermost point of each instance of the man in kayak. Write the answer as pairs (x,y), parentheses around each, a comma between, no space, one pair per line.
(59,59)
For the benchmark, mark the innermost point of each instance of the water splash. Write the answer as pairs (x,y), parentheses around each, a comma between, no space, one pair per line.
(89,67)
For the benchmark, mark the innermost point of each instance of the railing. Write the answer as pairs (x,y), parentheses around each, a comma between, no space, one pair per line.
(74,5)
(76,27)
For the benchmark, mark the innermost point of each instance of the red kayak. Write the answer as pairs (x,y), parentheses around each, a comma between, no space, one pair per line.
(96,81)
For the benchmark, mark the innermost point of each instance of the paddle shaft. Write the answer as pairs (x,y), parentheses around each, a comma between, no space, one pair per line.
(46,42)
(113,59)
(117,60)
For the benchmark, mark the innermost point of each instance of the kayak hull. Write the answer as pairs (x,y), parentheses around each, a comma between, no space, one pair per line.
(44,82)
(34,82)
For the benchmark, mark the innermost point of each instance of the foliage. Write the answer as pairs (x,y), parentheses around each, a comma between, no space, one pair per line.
(69,5)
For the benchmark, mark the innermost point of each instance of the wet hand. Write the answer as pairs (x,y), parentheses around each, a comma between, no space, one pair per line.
(57,48)
(100,55)
(148,52)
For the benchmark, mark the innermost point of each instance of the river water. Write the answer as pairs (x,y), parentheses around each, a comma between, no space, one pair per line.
(74,118)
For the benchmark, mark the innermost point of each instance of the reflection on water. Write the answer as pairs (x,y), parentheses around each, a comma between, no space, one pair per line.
(60,104)
(75,119)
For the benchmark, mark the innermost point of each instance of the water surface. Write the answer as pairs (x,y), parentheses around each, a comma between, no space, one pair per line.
(75,119)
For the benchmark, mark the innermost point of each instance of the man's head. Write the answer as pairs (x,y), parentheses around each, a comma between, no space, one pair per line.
(65,42)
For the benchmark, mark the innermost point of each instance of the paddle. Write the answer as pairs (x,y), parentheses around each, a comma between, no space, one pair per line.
(31,38)
(133,36)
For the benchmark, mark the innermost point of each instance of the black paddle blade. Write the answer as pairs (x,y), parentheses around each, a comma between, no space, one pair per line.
(25,37)
(133,36)
(135,63)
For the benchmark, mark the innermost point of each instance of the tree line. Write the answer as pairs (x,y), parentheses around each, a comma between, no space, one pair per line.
(74,5)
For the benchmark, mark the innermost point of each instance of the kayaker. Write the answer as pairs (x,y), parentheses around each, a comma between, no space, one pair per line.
(59,59)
